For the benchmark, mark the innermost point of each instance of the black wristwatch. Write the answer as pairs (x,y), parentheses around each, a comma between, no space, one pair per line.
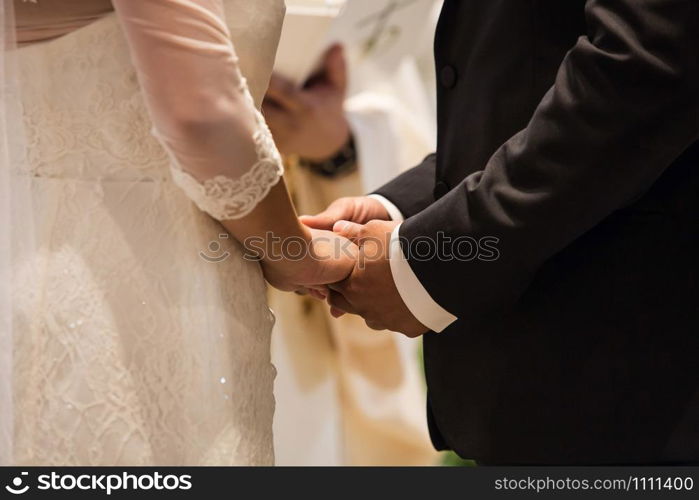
(344,162)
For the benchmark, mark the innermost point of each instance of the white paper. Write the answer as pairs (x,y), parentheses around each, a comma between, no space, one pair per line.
(374,32)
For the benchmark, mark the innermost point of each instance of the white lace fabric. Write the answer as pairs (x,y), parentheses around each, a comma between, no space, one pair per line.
(190,40)
(226,198)
(198,97)
(139,344)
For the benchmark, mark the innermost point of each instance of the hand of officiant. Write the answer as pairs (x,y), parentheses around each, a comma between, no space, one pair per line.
(310,121)
(370,291)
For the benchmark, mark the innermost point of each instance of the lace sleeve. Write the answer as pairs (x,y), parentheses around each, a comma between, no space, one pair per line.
(222,151)
(226,198)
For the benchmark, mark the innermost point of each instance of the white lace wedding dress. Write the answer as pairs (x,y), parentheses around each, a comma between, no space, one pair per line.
(145,334)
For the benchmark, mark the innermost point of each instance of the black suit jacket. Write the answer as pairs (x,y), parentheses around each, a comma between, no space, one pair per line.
(568,130)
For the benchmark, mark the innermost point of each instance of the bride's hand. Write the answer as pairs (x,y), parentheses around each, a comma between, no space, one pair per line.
(328,258)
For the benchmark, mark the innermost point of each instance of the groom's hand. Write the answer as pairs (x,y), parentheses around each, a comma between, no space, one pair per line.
(358,209)
(370,291)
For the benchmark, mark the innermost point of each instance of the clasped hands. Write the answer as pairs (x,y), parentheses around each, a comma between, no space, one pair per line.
(349,242)
(354,277)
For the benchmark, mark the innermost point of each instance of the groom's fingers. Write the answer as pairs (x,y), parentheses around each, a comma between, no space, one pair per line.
(323,221)
(326,219)
(318,291)
(338,210)
(349,230)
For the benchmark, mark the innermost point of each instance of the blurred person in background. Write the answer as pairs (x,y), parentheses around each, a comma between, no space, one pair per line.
(345,395)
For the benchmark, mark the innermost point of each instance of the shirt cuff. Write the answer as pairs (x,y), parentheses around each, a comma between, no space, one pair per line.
(392,210)
(414,295)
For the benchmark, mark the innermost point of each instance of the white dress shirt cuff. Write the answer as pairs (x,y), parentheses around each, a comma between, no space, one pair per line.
(414,295)
(392,210)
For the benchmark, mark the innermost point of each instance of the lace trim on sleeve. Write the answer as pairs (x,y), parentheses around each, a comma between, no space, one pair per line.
(225,198)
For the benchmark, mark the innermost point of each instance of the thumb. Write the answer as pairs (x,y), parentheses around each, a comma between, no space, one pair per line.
(336,67)
(323,221)
(326,219)
(349,230)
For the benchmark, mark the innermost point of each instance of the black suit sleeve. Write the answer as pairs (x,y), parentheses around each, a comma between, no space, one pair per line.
(412,191)
(623,107)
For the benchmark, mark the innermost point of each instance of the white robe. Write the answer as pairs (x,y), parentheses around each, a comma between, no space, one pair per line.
(347,395)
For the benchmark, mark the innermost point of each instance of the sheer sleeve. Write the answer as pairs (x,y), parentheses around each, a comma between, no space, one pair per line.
(223,155)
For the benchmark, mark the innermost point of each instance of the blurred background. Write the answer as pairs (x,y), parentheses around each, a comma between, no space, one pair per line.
(351,105)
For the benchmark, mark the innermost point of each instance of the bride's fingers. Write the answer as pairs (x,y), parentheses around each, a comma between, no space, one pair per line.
(336,313)
(338,302)
(334,271)
(317,294)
